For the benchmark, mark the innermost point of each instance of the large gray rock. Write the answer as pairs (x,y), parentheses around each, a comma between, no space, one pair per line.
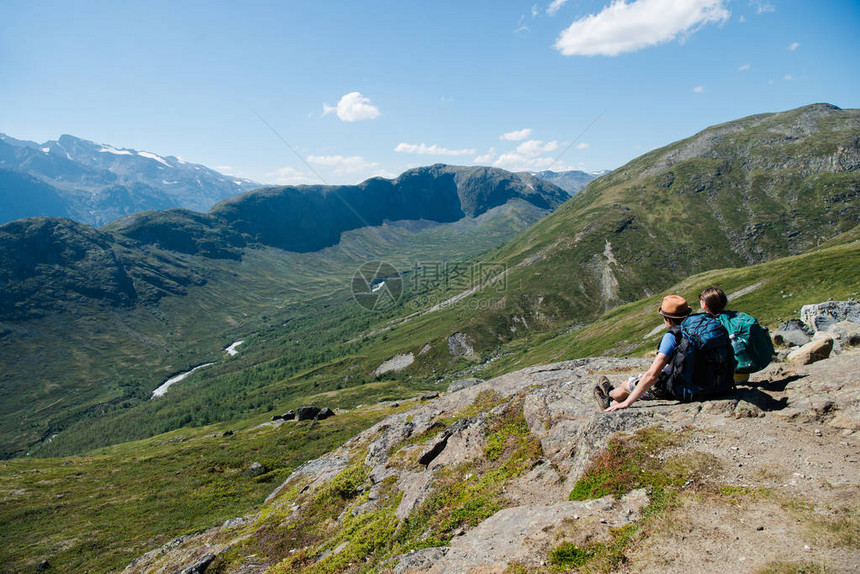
(792,334)
(823,315)
(324,414)
(525,534)
(200,566)
(460,384)
(811,352)
(845,334)
(459,345)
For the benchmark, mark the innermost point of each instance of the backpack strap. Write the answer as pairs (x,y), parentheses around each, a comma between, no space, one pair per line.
(676,330)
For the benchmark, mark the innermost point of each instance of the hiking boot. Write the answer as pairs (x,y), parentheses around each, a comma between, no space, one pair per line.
(606,386)
(601,397)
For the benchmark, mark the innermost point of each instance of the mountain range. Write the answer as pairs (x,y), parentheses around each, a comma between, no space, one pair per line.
(159,292)
(96,183)
(146,283)
(570,181)
(256,292)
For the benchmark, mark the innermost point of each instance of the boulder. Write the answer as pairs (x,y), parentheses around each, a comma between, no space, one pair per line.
(200,566)
(811,352)
(277,417)
(795,325)
(459,345)
(845,334)
(461,384)
(289,416)
(795,338)
(256,469)
(324,414)
(823,315)
(307,413)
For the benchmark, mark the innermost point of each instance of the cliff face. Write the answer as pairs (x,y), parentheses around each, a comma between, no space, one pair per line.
(521,471)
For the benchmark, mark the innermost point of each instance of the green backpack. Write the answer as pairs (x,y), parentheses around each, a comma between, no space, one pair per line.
(750,341)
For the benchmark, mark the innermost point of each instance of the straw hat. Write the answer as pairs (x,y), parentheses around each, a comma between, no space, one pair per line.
(674,307)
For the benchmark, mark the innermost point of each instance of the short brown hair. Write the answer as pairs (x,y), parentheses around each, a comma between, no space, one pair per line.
(714,299)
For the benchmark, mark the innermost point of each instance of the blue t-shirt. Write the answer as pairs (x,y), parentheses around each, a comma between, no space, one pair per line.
(667,347)
(667,344)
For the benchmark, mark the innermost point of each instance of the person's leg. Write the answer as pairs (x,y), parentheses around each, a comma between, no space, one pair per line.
(622,391)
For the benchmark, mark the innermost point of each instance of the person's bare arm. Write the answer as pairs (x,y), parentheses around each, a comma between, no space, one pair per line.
(646,382)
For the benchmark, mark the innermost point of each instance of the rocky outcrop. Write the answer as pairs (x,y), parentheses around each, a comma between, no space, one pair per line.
(460,384)
(395,364)
(408,455)
(459,345)
(821,316)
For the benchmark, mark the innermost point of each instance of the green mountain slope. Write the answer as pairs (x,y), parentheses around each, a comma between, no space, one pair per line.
(134,497)
(94,320)
(736,194)
(740,193)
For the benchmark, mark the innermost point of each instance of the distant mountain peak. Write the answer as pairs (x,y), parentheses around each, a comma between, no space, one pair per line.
(97,182)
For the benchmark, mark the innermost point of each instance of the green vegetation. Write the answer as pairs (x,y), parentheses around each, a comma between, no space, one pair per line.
(463,496)
(631,462)
(783,567)
(294,311)
(99,511)
(640,460)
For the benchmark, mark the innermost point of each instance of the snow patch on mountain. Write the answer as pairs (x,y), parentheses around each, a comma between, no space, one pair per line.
(157,158)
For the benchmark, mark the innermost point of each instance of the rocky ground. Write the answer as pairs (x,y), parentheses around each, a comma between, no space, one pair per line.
(777,483)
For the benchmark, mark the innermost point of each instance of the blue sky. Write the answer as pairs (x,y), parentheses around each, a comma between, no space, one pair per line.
(373,88)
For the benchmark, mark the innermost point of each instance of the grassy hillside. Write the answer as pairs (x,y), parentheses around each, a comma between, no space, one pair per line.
(737,194)
(133,497)
(96,362)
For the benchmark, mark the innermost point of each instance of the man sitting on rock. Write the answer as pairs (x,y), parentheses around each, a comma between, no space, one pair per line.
(651,385)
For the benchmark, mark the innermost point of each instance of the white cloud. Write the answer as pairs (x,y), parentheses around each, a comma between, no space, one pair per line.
(487,157)
(514,161)
(521,26)
(353,107)
(535,10)
(290,176)
(788,77)
(762,6)
(583,145)
(793,46)
(343,165)
(516,135)
(744,68)
(699,90)
(534,148)
(623,27)
(554,6)
(425,149)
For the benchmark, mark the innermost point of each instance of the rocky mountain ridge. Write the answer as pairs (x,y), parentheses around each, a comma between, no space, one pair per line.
(570,181)
(97,183)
